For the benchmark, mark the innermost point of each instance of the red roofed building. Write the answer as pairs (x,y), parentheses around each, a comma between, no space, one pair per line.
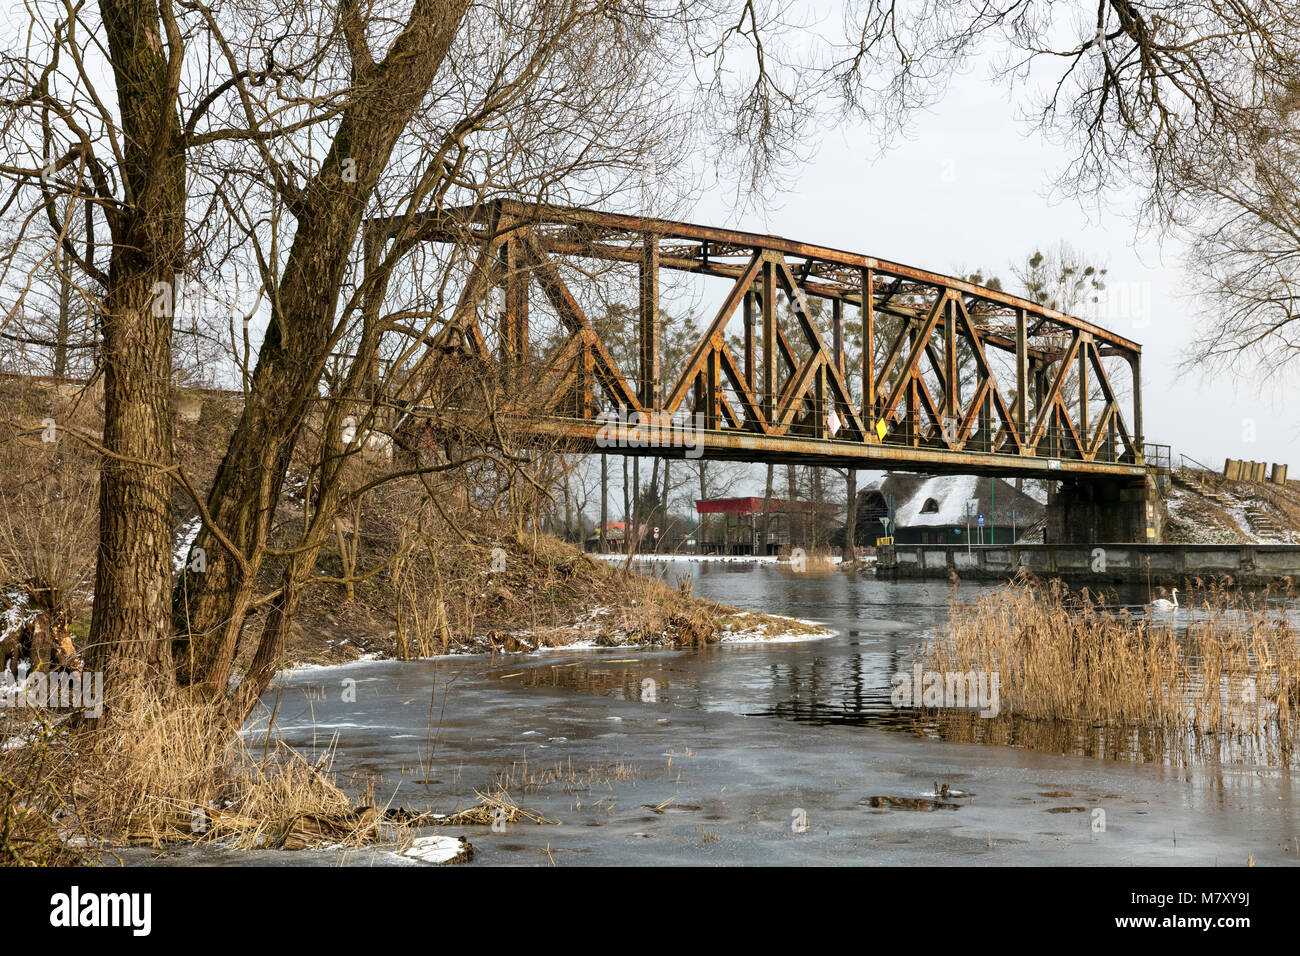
(741,525)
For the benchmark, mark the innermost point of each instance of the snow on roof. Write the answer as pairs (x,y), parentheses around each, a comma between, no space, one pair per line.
(950,494)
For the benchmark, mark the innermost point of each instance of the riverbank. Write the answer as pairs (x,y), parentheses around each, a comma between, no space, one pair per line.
(545,596)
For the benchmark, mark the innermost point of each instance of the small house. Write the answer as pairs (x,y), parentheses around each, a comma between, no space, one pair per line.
(932,509)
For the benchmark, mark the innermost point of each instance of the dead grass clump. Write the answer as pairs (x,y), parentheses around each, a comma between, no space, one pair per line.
(165,773)
(491,809)
(1229,664)
(38,826)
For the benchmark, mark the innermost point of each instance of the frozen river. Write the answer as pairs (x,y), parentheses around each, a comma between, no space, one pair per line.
(762,754)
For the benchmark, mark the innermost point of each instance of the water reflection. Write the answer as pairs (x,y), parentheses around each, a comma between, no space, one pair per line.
(846,681)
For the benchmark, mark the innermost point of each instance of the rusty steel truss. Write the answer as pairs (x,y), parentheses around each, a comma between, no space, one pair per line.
(780,390)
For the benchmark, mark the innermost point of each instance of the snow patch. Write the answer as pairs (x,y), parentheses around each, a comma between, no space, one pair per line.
(15,616)
(435,849)
(184,541)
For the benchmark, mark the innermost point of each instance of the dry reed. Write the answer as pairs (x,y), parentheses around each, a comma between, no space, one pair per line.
(1227,665)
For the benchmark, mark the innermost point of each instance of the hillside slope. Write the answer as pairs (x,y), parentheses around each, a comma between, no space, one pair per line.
(1206,508)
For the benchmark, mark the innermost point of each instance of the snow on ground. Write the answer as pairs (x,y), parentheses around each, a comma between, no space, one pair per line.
(617,558)
(184,541)
(367,658)
(15,616)
(713,558)
(435,849)
(756,635)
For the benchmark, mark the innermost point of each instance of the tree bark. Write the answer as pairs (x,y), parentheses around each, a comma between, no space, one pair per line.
(851,516)
(604,500)
(130,630)
(329,213)
(767,509)
(663,504)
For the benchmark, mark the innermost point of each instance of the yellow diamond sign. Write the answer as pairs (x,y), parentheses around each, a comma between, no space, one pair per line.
(881,429)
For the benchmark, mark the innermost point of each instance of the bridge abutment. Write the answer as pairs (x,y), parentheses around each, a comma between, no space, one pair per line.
(1111,510)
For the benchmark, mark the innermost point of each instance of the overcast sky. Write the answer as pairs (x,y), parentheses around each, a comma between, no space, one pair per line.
(969,189)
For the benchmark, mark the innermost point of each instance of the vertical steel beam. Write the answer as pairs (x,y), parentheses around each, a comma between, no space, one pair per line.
(868,316)
(750,341)
(713,390)
(913,429)
(1022,374)
(820,425)
(837,333)
(1038,374)
(1139,437)
(986,419)
(950,396)
(514,332)
(1085,428)
(587,397)
(648,368)
(770,382)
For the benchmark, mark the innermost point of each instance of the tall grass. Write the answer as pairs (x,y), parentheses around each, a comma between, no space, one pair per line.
(162,773)
(1225,667)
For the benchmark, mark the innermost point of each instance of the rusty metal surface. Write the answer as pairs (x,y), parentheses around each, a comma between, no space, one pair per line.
(784,392)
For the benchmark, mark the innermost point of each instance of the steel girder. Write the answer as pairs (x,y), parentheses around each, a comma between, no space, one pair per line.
(786,396)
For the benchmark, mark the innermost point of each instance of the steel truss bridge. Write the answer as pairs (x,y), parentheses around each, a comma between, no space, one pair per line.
(953,376)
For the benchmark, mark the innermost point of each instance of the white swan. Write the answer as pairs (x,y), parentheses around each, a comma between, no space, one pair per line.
(1160,604)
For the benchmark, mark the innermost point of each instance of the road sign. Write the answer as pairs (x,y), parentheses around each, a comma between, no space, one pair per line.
(972,507)
(979,523)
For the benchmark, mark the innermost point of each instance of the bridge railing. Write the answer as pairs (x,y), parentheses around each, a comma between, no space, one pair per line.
(1159,457)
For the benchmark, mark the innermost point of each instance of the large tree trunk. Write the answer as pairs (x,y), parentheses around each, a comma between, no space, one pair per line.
(604,500)
(704,494)
(663,504)
(851,516)
(767,509)
(627,511)
(130,630)
(329,215)
(792,493)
